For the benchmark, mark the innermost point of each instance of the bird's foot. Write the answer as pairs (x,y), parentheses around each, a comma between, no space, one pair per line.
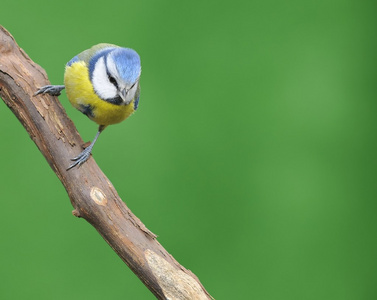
(53,90)
(81,158)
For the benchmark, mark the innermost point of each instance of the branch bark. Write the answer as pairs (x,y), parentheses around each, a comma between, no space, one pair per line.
(91,193)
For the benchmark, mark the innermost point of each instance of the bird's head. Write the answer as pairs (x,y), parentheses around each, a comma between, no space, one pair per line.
(115,73)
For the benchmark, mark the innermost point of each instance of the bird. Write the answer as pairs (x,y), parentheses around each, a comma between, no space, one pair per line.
(103,83)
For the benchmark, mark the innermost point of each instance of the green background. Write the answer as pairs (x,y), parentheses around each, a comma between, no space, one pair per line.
(252,155)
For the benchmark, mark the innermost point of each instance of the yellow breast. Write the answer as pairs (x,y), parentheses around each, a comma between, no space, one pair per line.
(81,94)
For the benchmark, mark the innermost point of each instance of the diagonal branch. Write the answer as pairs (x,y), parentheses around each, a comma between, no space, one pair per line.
(91,193)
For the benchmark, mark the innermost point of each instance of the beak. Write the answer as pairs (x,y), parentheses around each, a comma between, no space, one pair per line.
(123,94)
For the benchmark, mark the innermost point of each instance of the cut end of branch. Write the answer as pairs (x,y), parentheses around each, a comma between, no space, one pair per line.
(175,284)
(76,213)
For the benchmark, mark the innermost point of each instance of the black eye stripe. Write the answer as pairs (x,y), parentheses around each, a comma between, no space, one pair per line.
(112,80)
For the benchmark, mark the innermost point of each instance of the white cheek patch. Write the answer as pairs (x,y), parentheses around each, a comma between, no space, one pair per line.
(131,93)
(101,84)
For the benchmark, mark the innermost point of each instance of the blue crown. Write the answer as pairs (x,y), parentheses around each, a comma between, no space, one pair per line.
(127,63)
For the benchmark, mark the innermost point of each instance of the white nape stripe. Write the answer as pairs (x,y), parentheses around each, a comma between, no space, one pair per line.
(112,68)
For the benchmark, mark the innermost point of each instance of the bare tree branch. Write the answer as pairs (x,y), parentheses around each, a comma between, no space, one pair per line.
(91,193)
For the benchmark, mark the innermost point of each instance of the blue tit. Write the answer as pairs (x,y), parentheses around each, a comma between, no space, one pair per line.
(103,83)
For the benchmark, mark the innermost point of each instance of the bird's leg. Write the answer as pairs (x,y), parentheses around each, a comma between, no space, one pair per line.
(53,90)
(84,155)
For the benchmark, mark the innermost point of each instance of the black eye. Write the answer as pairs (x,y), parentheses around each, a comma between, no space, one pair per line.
(112,80)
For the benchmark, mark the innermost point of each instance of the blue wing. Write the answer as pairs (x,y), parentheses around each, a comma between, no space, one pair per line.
(137,97)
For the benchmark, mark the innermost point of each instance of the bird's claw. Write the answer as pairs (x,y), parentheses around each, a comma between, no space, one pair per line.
(53,90)
(81,158)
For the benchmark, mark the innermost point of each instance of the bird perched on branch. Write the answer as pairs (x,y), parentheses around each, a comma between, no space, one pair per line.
(103,83)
